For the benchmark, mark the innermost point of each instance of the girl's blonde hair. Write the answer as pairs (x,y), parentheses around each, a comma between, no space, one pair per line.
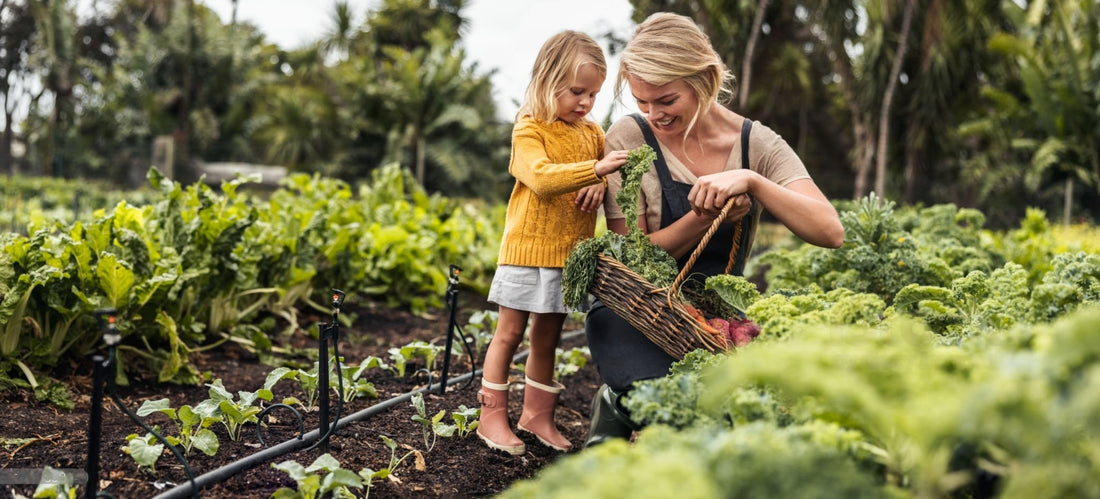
(556,65)
(667,47)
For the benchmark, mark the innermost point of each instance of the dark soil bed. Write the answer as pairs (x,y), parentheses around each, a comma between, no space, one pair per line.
(35,435)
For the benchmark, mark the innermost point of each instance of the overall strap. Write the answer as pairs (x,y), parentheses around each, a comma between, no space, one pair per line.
(738,255)
(746,127)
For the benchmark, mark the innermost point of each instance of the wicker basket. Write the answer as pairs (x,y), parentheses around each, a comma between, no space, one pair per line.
(658,312)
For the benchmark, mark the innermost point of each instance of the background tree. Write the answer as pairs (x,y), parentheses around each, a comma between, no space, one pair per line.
(55,24)
(17,29)
(1039,133)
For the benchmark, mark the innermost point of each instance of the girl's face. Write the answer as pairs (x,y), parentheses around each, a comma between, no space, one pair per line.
(576,100)
(669,108)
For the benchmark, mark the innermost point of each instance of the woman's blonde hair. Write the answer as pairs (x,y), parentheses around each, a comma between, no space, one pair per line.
(667,47)
(556,65)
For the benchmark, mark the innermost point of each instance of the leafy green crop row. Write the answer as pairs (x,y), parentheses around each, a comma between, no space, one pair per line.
(927,357)
(195,267)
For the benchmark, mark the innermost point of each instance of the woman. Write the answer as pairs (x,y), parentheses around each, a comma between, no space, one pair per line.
(678,80)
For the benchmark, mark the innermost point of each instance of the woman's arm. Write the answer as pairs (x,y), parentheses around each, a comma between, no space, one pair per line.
(799,205)
(683,235)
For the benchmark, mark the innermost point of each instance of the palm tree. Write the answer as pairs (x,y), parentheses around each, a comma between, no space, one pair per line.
(1054,52)
(427,90)
(945,77)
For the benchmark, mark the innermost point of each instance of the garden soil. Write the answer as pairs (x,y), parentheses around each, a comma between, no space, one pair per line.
(35,434)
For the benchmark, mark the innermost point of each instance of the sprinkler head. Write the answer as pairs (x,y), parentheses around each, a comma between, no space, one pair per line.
(337,298)
(108,324)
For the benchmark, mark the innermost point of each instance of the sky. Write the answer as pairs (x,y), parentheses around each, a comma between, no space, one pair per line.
(502,34)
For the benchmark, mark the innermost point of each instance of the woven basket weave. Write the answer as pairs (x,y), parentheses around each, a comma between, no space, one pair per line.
(658,312)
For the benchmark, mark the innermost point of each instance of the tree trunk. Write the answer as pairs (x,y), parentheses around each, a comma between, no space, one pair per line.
(865,154)
(888,98)
(746,61)
(7,161)
(862,142)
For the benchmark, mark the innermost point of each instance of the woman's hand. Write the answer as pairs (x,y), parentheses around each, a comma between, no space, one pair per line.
(711,192)
(590,198)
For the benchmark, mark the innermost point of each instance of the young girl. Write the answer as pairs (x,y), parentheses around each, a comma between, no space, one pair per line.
(555,152)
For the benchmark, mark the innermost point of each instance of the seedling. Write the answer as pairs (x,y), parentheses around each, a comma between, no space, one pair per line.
(422,349)
(359,387)
(568,362)
(466,420)
(480,327)
(335,482)
(54,484)
(433,427)
(236,413)
(193,424)
(144,450)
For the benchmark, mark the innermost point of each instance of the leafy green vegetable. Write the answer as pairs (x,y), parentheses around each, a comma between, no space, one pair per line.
(737,291)
(634,250)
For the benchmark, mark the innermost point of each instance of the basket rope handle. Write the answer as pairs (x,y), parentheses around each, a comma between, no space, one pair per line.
(703,244)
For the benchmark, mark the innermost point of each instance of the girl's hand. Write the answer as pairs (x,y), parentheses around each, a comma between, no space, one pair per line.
(711,192)
(611,163)
(590,198)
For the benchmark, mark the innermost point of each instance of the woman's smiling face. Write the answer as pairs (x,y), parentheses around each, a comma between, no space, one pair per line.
(669,108)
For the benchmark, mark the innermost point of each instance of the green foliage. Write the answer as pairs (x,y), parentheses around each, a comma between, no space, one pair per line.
(322,478)
(975,303)
(880,255)
(401,356)
(480,328)
(671,400)
(736,291)
(432,427)
(192,424)
(638,162)
(634,250)
(466,420)
(783,313)
(195,266)
(237,411)
(1073,281)
(145,451)
(568,362)
(355,386)
(750,461)
(870,411)
(55,484)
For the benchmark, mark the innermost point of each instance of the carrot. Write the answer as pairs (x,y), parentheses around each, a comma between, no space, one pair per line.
(702,320)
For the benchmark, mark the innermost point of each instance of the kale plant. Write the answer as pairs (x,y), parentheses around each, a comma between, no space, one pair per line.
(634,250)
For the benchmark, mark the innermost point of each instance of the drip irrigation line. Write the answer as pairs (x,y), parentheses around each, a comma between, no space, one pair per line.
(229,470)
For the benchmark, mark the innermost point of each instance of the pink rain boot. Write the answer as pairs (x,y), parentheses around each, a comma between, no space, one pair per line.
(539,401)
(494,427)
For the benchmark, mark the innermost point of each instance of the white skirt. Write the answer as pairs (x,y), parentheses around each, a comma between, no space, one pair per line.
(532,289)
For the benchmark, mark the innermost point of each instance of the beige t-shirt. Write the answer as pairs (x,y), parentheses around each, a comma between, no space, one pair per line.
(769,155)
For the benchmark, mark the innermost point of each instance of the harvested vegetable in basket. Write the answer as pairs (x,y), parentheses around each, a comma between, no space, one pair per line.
(634,250)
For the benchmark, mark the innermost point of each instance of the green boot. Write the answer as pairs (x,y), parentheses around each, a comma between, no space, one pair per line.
(609,419)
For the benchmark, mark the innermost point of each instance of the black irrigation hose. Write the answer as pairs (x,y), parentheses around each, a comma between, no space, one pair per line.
(112,390)
(228,471)
(263,413)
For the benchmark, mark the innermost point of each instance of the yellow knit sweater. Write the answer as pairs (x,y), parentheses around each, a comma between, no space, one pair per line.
(550,162)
